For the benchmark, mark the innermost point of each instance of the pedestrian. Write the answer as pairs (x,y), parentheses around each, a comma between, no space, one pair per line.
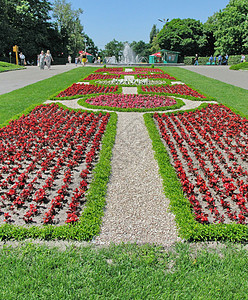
(211,59)
(42,60)
(226,58)
(48,59)
(69,59)
(196,60)
(84,58)
(242,58)
(215,58)
(76,61)
(22,59)
(219,59)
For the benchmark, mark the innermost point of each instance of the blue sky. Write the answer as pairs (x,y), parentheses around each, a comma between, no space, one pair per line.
(105,20)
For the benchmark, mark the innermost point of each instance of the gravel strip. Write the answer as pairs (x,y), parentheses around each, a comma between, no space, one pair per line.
(129,90)
(136,210)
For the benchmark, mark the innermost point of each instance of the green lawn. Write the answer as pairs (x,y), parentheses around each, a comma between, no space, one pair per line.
(123,272)
(229,95)
(4,66)
(17,101)
(126,271)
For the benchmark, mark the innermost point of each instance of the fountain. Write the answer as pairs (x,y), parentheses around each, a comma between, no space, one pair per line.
(129,56)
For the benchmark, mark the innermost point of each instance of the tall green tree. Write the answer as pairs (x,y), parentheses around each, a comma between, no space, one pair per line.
(153,33)
(230,28)
(69,26)
(184,35)
(114,48)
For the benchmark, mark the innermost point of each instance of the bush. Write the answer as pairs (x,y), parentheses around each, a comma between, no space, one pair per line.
(241,66)
(232,60)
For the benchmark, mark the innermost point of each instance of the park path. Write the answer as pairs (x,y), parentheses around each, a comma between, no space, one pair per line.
(222,73)
(136,209)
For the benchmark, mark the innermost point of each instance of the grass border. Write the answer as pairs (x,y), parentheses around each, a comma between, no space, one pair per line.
(188,227)
(90,221)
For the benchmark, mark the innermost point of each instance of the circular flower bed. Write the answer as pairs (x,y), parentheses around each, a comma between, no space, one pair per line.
(132,101)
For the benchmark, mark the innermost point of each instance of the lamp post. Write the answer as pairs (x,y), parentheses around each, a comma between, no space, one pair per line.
(164,21)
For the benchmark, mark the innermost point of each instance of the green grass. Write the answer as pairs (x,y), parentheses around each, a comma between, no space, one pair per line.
(241,66)
(4,66)
(229,95)
(17,101)
(123,272)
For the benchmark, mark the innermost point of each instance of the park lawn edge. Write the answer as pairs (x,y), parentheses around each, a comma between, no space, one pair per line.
(83,103)
(189,229)
(90,221)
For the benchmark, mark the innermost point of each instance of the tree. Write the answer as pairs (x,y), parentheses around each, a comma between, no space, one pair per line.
(27,24)
(69,26)
(114,48)
(141,48)
(230,28)
(90,45)
(153,33)
(183,35)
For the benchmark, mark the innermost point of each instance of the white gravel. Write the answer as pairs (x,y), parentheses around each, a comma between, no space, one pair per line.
(136,210)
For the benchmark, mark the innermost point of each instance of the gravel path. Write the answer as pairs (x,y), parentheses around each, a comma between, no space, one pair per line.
(136,210)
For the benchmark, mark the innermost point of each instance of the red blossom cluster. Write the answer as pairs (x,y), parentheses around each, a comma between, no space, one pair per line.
(46,161)
(180,89)
(132,101)
(84,89)
(154,70)
(101,77)
(209,150)
(156,76)
(104,70)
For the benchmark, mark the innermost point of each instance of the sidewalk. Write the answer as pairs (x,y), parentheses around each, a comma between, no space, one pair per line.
(13,80)
(222,73)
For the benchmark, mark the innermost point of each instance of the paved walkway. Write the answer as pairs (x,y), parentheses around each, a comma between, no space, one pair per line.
(222,73)
(13,80)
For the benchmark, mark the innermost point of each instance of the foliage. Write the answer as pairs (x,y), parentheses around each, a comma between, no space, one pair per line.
(142,49)
(114,48)
(4,66)
(153,32)
(241,66)
(22,19)
(69,26)
(183,35)
(230,28)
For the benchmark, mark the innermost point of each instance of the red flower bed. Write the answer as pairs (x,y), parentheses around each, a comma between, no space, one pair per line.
(105,70)
(46,161)
(84,89)
(209,150)
(132,101)
(156,76)
(180,89)
(149,70)
(101,77)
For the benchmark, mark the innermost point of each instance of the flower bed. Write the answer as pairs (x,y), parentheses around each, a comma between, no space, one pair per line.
(180,89)
(101,76)
(84,89)
(152,70)
(208,149)
(105,70)
(131,101)
(46,163)
(156,76)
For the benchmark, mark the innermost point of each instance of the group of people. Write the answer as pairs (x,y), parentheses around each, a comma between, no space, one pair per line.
(44,59)
(217,60)
(82,59)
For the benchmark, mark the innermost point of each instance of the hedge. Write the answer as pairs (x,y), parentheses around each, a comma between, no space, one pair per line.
(232,60)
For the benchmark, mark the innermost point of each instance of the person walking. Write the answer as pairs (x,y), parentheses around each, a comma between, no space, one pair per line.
(22,59)
(48,59)
(69,59)
(242,58)
(219,59)
(42,60)
(211,59)
(84,58)
(196,60)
